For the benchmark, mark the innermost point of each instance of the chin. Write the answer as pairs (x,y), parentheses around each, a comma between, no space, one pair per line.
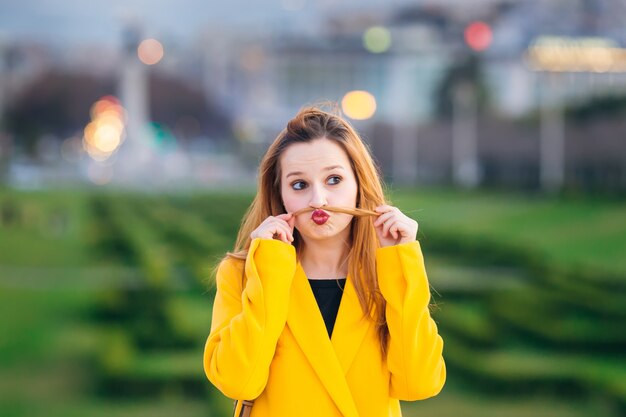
(322,233)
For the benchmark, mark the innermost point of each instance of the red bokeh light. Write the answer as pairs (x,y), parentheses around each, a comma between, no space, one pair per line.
(478,36)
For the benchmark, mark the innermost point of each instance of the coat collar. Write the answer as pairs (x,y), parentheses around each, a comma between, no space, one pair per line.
(331,359)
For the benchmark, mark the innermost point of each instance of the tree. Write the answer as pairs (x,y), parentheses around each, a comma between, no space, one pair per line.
(55,103)
(466,69)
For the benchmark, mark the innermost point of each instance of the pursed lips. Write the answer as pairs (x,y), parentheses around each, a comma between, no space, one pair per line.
(319,216)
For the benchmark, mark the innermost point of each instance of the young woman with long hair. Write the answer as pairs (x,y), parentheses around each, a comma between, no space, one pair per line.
(322,309)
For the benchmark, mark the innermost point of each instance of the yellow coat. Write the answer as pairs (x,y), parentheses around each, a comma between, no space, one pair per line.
(268,340)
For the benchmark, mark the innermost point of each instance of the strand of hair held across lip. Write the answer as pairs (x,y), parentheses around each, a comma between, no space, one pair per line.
(354,211)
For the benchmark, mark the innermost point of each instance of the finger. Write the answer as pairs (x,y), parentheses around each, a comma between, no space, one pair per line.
(285,216)
(384,208)
(289,228)
(389,218)
(289,234)
(286,220)
(391,223)
(394,231)
(286,230)
(383,218)
(386,227)
(266,229)
(400,229)
(280,235)
(286,238)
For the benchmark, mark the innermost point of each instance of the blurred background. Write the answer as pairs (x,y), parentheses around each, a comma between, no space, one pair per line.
(130,135)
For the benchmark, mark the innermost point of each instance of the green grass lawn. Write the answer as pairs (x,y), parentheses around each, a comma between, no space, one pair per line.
(48,229)
(456,401)
(567,233)
(61,260)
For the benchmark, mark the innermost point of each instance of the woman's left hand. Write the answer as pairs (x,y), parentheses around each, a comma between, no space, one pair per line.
(393,227)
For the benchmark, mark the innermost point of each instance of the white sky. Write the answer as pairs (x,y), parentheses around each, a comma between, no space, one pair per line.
(88,21)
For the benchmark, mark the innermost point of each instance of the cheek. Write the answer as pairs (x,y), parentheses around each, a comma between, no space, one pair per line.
(291,203)
(351,194)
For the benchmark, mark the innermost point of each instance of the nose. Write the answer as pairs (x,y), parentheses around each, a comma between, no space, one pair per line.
(318,197)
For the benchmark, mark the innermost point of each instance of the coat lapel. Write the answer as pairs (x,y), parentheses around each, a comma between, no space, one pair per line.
(329,360)
(350,328)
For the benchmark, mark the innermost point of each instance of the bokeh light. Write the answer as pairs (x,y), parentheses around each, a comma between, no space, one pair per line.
(563,54)
(105,133)
(478,36)
(106,104)
(163,139)
(359,105)
(377,39)
(150,51)
(114,219)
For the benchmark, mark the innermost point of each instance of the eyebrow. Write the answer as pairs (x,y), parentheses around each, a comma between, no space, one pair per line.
(325,169)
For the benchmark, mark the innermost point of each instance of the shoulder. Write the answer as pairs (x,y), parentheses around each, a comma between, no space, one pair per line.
(230,264)
(230,271)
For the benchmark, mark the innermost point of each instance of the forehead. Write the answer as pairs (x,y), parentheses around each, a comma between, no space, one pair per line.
(313,156)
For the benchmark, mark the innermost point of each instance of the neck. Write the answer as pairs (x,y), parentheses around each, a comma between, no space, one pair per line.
(325,259)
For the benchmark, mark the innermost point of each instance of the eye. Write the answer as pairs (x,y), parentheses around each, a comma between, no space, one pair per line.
(298,185)
(335,179)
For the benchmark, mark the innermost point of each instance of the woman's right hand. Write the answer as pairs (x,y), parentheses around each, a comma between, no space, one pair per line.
(276,227)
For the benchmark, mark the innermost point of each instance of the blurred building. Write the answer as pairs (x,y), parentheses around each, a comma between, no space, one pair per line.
(264,77)
(259,76)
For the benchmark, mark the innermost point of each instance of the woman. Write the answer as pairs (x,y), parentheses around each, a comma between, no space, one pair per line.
(322,310)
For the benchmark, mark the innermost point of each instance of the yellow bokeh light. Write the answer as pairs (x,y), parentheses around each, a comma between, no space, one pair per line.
(110,120)
(113,113)
(150,51)
(104,134)
(95,153)
(377,39)
(90,131)
(359,105)
(106,104)
(107,138)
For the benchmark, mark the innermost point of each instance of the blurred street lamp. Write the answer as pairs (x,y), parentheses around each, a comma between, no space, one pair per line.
(150,51)
(135,154)
(552,134)
(2,79)
(359,105)
(465,168)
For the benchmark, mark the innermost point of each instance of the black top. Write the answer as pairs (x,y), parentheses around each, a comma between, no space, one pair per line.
(328,294)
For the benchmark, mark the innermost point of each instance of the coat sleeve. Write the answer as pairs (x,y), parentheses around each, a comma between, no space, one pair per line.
(249,318)
(414,354)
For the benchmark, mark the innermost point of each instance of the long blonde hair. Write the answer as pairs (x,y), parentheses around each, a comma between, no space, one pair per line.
(309,124)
